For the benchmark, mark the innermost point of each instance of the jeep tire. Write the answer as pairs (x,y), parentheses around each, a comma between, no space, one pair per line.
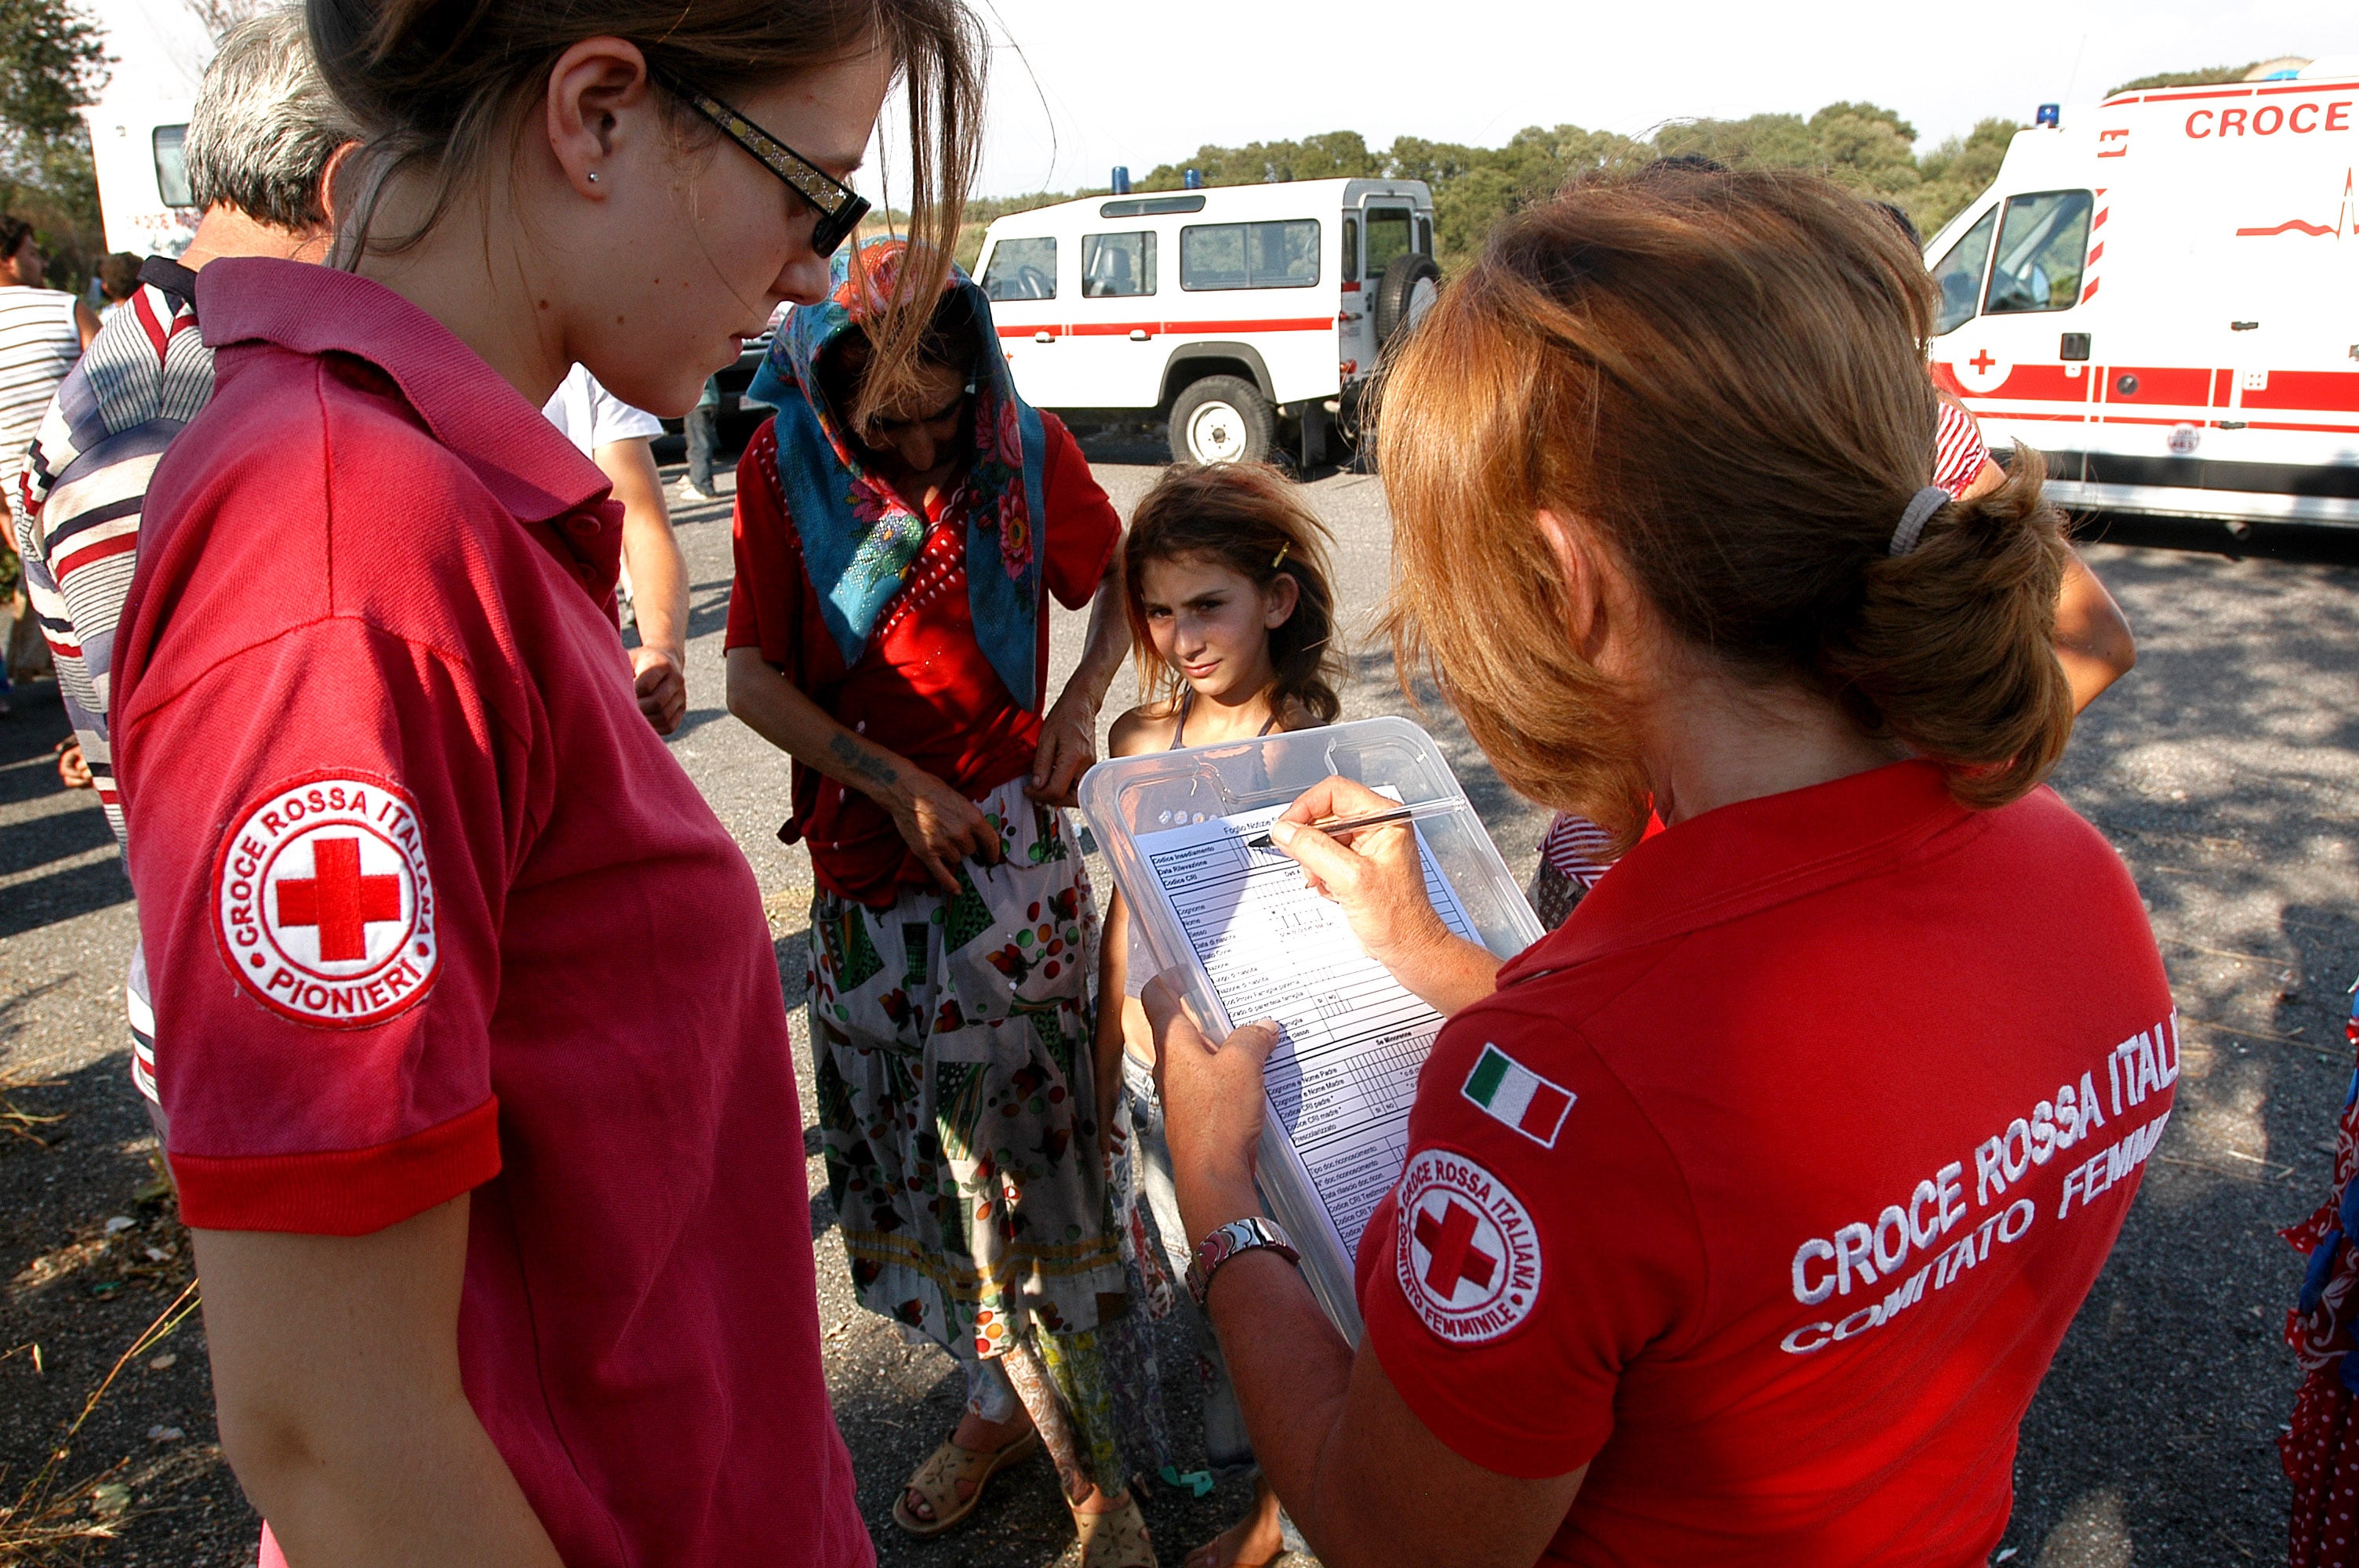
(1222,420)
(1407,291)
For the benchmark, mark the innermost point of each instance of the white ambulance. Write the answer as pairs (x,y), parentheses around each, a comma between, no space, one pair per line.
(2161,293)
(157,51)
(143,185)
(1241,316)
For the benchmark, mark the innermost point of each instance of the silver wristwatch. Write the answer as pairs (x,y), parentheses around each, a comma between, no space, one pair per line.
(1237,1235)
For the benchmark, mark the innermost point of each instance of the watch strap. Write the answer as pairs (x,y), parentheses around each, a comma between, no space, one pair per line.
(1238,1237)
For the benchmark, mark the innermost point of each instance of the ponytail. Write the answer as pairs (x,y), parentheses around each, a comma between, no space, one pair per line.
(1951,649)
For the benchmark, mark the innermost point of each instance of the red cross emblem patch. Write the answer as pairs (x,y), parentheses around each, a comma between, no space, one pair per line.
(323,904)
(1467,1254)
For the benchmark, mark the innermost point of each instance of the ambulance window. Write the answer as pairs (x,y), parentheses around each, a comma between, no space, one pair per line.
(1117,263)
(1959,275)
(1021,269)
(2041,247)
(1351,250)
(1389,238)
(171,171)
(1250,256)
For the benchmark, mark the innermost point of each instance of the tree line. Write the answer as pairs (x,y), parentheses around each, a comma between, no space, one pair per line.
(53,63)
(1861,147)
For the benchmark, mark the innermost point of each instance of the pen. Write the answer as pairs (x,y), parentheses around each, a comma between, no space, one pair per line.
(1417,813)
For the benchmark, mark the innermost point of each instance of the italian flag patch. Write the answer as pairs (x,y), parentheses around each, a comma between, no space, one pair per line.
(1511,1092)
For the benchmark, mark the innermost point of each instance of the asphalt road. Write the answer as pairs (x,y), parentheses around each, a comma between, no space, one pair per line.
(2225,769)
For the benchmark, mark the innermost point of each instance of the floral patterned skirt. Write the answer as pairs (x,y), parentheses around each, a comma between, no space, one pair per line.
(958,1115)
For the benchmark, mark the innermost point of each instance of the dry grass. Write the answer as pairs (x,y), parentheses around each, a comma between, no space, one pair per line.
(15,1119)
(49,1518)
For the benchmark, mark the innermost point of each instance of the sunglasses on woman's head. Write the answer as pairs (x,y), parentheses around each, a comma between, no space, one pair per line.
(839,208)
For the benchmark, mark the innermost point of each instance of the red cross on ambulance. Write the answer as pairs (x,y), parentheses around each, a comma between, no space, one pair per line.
(1981,372)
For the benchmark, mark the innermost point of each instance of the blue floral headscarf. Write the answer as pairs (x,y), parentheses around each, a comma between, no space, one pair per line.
(860,539)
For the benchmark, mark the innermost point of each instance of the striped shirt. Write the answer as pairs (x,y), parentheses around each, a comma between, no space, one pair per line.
(1577,848)
(1959,452)
(39,341)
(84,484)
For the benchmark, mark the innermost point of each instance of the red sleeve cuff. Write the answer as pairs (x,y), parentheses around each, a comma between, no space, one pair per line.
(1413,1366)
(342,1192)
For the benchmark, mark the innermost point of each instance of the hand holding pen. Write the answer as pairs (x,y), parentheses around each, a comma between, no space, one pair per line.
(1339,827)
(1378,881)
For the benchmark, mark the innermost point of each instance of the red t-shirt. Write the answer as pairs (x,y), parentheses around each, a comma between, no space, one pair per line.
(922,687)
(430,910)
(1767,1184)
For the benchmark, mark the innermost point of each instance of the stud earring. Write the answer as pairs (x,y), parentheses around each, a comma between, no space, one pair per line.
(594,176)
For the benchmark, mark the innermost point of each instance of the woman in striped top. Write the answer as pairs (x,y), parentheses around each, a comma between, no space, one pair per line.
(42,332)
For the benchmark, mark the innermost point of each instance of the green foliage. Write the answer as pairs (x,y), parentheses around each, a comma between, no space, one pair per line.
(1336,155)
(51,64)
(1863,146)
(1956,172)
(2218,74)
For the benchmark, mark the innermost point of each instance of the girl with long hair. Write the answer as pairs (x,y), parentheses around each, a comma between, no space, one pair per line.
(1232,608)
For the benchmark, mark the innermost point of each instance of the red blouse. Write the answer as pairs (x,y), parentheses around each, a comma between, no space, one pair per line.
(922,687)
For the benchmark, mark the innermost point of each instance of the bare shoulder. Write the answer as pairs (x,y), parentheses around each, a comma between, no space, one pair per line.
(1147,728)
(1295,715)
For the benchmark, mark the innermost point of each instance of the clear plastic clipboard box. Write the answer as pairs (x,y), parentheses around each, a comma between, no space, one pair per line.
(1128,797)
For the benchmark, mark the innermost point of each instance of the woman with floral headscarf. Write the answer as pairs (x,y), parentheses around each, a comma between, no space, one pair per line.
(895,545)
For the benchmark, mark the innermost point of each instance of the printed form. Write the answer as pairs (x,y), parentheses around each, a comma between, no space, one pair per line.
(1351,1039)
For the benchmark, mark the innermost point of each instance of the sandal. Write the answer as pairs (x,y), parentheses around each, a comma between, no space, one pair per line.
(1116,1538)
(937,1481)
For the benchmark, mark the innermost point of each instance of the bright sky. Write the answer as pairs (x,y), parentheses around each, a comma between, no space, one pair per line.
(1088,86)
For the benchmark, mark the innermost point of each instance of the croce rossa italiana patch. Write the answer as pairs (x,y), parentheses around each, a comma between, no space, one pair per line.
(1466,1251)
(322,903)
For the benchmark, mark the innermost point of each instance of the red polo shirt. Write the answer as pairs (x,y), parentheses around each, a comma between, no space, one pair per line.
(1766,1186)
(430,910)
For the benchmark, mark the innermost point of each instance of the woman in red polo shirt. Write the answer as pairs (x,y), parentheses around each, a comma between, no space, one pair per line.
(1742,1213)
(474,1048)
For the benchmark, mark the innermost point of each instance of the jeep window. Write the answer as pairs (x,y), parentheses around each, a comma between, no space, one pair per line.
(1150,206)
(2041,247)
(1351,250)
(1021,269)
(171,171)
(1250,256)
(1424,236)
(1389,238)
(1959,275)
(1117,263)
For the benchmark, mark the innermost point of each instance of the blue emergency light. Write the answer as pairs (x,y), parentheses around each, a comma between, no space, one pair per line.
(1121,185)
(1193,180)
(2049,115)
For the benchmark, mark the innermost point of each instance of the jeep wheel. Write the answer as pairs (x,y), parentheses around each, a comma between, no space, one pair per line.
(1406,293)
(1222,420)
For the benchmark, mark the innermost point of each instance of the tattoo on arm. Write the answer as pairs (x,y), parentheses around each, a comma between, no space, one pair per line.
(862,761)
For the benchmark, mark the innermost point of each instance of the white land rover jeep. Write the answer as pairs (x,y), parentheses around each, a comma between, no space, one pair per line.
(1245,316)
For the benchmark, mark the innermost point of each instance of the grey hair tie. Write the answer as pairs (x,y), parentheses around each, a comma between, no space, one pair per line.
(1922,506)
